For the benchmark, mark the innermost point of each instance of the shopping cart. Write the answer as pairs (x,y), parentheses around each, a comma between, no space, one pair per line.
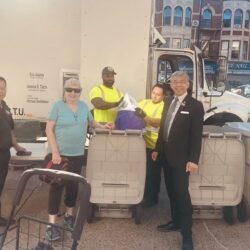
(29,233)
(116,170)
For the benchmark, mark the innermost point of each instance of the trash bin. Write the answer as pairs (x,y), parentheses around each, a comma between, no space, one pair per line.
(216,188)
(244,129)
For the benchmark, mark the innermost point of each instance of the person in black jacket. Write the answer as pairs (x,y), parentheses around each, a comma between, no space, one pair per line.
(7,140)
(179,145)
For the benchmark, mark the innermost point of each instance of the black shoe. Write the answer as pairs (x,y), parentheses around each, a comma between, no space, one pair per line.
(169,227)
(147,203)
(187,244)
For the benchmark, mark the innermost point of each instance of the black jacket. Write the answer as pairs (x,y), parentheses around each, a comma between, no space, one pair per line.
(185,135)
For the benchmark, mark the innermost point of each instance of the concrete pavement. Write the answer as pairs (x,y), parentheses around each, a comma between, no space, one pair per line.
(108,233)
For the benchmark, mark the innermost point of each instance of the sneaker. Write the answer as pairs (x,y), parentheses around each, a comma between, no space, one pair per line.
(52,233)
(69,221)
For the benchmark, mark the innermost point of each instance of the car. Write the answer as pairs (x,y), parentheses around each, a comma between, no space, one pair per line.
(243,90)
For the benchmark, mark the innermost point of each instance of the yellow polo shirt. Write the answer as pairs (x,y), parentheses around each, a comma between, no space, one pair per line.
(153,110)
(108,95)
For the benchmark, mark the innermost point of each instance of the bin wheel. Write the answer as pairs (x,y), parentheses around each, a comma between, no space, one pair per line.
(136,213)
(243,210)
(230,214)
(91,213)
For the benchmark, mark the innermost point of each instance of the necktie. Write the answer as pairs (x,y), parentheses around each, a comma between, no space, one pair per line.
(168,118)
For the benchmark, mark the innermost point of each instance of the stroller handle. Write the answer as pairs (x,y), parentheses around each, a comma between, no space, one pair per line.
(64,175)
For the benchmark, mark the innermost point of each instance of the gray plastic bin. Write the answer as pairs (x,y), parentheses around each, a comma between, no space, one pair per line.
(244,129)
(116,170)
(218,184)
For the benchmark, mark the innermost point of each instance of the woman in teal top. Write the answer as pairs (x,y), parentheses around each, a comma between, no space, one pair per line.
(66,131)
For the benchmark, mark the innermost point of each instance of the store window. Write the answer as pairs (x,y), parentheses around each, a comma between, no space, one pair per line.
(167,16)
(224,48)
(238,16)
(188,15)
(235,50)
(176,43)
(186,43)
(227,16)
(207,18)
(245,50)
(178,16)
(247,19)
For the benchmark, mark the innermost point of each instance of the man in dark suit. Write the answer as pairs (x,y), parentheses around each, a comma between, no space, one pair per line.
(179,146)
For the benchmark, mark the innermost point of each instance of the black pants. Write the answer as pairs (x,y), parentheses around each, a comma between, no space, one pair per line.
(4,163)
(177,181)
(71,188)
(153,177)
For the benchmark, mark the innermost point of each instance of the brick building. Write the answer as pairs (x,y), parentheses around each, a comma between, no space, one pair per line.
(220,27)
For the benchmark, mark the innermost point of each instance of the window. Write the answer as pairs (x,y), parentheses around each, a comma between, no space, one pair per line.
(167,16)
(207,18)
(227,16)
(178,16)
(224,48)
(188,17)
(238,16)
(176,43)
(235,52)
(245,50)
(247,19)
(167,44)
(186,43)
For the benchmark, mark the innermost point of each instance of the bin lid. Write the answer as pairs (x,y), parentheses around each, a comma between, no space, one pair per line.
(242,127)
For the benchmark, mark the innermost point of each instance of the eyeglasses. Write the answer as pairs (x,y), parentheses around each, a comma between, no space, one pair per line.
(69,90)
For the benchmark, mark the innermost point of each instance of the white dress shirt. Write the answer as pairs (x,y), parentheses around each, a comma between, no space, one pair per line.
(180,100)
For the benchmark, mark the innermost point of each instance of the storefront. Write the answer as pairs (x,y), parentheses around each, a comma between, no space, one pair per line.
(238,73)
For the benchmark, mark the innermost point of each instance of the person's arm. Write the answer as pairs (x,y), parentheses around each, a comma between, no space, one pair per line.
(195,137)
(99,103)
(16,146)
(108,125)
(50,126)
(151,121)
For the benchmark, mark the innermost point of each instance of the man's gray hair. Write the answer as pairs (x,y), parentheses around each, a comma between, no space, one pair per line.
(72,81)
(180,73)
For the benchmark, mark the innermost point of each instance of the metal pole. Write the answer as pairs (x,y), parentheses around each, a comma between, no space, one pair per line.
(198,44)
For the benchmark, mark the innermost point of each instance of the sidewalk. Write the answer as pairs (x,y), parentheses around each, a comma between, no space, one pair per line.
(107,233)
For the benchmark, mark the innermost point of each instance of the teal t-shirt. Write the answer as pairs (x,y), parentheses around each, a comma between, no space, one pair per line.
(70,127)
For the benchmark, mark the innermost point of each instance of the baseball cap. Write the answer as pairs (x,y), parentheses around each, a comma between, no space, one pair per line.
(108,70)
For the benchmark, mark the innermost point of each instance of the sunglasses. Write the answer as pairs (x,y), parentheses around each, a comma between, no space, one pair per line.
(69,90)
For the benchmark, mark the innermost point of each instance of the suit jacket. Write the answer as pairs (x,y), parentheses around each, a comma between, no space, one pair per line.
(185,134)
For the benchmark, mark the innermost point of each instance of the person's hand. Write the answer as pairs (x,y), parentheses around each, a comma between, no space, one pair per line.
(191,167)
(119,102)
(109,125)
(19,148)
(154,155)
(140,113)
(56,158)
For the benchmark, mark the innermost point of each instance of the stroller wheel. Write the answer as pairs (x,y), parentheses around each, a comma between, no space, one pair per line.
(91,213)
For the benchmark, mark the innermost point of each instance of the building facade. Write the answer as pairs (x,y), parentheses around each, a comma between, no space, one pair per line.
(235,36)
(219,27)
(173,19)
